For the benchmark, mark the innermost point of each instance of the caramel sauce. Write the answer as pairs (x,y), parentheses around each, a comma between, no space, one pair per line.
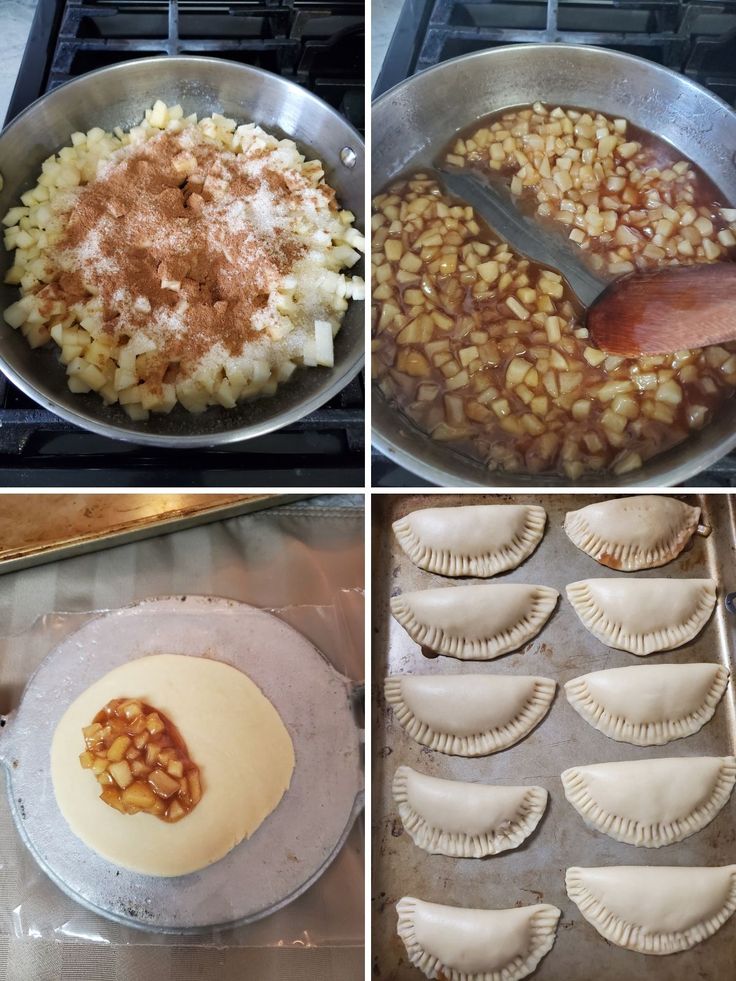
(141,761)
(482,436)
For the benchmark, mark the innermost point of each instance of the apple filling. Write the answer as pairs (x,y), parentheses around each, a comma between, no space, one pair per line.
(141,761)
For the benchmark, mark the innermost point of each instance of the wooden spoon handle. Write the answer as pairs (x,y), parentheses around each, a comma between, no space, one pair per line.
(666,310)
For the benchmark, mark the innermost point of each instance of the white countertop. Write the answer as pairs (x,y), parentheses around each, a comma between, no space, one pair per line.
(15,24)
(385,13)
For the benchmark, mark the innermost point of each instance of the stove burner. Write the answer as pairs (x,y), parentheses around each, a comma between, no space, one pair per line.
(694,37)
(318,45)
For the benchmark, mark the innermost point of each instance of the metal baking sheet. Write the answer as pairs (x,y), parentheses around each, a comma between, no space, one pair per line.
(295,843)
(535,872)
(40,528)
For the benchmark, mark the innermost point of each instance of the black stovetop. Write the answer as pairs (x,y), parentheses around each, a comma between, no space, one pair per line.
(317,44)
(694,37)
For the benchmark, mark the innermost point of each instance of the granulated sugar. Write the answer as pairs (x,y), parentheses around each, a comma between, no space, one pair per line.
(201,249)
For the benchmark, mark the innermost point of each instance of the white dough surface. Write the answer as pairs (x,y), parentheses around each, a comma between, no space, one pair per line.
(233,733)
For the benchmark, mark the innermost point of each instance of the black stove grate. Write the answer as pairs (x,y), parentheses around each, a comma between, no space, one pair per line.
(694,37)
(319,45)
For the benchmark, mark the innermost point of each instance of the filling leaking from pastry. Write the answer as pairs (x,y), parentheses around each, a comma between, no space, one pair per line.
(632,533)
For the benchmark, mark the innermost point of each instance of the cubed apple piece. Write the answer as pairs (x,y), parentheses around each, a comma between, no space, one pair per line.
(118,749)
(139,769)
(105,780)
(133,753)
(195,787)
(138,727)
(92,734)
(87,759)
(131,710)
(154,723)
(175,811)
(140,740)
(175,768)
(121,774)
(163,784)
(165,756)
(99,765)
(138,794)
(152,753)
(158,808)
(111,797)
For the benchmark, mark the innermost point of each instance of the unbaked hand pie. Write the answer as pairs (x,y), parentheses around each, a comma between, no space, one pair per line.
(643,616)
(469,714)
(243,752)
(654,910)
(648,704)
(465,820)
(476,944)
(472,540)
(475,622)
(651,802)
(631,533)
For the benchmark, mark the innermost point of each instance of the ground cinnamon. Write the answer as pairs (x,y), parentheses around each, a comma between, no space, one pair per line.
(179,209)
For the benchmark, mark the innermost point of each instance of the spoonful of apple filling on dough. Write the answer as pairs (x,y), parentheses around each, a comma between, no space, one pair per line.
(141,761)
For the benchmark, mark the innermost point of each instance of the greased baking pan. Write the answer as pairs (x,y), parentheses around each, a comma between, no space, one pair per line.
(535,872)
(45,527)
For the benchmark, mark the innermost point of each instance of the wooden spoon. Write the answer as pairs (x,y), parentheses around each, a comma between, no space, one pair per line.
(670,309)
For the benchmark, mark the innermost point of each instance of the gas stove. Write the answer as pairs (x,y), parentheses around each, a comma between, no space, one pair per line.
(694,37)
(319,45)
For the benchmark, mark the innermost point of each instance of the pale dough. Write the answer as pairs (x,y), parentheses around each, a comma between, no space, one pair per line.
(233,733)
(654,909)
(462,944)
(631,533)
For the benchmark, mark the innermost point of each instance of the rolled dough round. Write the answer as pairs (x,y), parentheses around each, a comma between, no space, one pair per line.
(233,733)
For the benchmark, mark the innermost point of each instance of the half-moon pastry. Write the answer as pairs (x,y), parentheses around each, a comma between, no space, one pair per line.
(475,622)
(476,944)
(651,802)
(234,734)
(471,540)
(649,704)
(469,714)
(654,909)
(643,616)
(630,533)
(465,820)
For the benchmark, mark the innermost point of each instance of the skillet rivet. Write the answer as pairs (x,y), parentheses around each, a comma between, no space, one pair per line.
(348,156)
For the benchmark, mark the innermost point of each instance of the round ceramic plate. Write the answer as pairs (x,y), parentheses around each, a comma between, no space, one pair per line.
(286,853)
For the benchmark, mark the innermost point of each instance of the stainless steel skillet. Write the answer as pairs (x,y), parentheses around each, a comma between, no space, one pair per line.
(411,125)
(118,96)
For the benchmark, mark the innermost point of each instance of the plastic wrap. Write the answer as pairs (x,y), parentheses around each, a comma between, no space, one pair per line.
(328,914)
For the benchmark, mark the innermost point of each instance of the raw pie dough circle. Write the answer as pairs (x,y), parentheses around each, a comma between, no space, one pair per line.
(233,733)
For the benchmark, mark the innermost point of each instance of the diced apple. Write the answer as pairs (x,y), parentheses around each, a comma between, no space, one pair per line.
(121,774)
(118,749)
(163,784)
(138,794)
